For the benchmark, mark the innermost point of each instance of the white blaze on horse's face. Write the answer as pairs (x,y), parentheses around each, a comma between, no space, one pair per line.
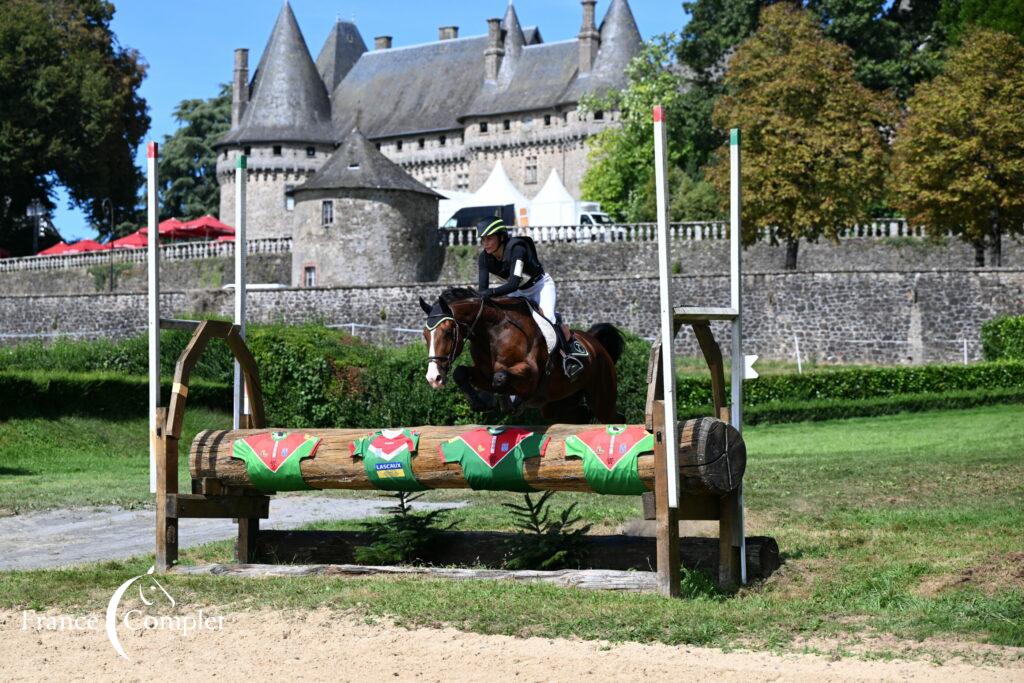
(435,377)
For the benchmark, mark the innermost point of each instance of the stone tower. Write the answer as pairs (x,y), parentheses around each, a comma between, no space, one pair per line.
(362,220)
(283,125)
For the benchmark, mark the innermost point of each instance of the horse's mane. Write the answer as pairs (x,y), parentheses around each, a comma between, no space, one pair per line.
(453,294)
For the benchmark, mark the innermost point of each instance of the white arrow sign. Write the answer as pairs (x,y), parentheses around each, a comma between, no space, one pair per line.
(748,367)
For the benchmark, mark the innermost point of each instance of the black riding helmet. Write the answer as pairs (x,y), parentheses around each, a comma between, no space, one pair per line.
(491,226)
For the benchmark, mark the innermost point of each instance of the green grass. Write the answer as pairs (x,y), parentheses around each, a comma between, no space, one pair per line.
(879,520)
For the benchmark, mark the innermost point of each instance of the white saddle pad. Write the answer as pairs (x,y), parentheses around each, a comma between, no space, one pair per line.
(547,329)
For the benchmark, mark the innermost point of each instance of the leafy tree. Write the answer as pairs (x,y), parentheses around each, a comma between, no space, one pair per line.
(70,110)
(188,162)
(621,170)
(1000,15)
(814,155)
(959,154)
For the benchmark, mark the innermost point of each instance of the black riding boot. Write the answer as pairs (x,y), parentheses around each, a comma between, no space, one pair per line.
(571,353)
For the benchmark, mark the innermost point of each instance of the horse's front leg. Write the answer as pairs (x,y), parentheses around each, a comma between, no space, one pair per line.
(468,378)
(520,379)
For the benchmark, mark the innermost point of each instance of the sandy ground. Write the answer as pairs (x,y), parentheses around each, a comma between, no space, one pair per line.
(319,645)
(59,538)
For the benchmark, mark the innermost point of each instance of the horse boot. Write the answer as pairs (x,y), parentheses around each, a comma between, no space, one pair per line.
(571,352)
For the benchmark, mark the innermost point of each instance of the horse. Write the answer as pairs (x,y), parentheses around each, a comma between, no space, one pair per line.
(510,357)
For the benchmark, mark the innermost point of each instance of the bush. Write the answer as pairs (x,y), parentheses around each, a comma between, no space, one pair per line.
(1002,338)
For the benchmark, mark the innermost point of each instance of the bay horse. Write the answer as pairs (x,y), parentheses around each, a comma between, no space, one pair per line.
(510,357)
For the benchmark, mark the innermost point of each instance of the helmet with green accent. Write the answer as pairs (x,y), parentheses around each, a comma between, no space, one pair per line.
(491,226)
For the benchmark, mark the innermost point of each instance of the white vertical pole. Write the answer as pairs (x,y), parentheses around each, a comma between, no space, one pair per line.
(240,404)
(736,294)
(667,322)
(153,244)
(965,351)
(799,363)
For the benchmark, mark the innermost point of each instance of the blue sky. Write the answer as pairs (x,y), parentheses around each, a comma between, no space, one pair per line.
(189,44)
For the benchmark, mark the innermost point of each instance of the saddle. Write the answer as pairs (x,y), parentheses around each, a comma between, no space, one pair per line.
(558,336)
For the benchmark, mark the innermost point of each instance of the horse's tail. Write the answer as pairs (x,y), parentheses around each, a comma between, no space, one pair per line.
(610,338)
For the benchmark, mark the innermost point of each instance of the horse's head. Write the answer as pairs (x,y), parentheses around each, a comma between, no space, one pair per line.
(445,338)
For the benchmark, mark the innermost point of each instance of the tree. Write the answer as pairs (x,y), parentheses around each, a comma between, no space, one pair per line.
(70,111)
(959,154)
(188,162)
(1000,15)
(621,170)
(814,154)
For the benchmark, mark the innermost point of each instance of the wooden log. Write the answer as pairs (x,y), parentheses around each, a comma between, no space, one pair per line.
(711,453)
(488,549)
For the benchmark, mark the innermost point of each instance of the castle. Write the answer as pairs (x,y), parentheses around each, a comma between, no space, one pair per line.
(445,112)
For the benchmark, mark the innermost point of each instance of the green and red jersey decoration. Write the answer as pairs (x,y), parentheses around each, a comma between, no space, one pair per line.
(387,457)
(492,458)
(272,459)
(610,456)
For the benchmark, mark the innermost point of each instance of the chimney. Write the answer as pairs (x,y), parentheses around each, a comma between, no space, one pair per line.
(448,33)
(240,87)
(382,43)
(495,49)
(590,39)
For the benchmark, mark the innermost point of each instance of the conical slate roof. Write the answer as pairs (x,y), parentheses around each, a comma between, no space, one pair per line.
(359,165)
(514,38)
(342,49)
(620,42)
(289,101)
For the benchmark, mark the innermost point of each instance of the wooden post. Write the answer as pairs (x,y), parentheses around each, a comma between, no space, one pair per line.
(668,517)
(166,450)
(245,548)
(729,539)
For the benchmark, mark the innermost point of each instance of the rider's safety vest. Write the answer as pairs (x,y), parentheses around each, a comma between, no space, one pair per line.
(527,250)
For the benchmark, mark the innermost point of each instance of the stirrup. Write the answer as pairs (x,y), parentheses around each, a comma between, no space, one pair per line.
(571,366)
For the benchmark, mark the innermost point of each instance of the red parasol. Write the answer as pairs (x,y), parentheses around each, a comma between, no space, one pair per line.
(59,248)
(207,226)
(82,246)
(136,240)
(171,228)
(226,238)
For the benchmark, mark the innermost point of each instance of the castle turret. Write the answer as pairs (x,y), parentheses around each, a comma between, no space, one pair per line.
(363,220)
(285,129)
(620,40)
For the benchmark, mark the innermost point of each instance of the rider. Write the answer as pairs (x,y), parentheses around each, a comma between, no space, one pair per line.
(515,260)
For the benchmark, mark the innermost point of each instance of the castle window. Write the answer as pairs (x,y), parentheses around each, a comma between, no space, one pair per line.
(599,115)
(443,140)
(289,198)
(530,176)
(277,150)
(247,151)
(378,146)
(462,181)
(327,212)
(421,143)
(483,126)
(547,119)
(506,124)
(398,145)
(309,276)
(311,152)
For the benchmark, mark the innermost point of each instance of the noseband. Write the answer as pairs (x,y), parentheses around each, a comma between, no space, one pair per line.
(445,362)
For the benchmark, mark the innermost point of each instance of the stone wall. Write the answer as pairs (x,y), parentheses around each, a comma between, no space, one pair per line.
(700,257)
(882,317)
(210,273)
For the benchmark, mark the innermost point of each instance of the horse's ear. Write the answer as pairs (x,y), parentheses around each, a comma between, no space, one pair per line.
(425,306)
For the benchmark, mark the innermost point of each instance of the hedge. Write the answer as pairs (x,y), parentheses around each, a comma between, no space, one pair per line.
(316,377)
(108,395)
(1002,338)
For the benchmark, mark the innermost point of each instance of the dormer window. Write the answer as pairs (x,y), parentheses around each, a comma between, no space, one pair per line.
(277,150)
(483,126)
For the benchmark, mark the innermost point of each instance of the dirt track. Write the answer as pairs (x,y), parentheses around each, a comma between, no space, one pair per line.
(324,646)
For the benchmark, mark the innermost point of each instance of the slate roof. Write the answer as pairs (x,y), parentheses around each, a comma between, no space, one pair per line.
(289,101)
(358,165)
(342,49)
(422,88)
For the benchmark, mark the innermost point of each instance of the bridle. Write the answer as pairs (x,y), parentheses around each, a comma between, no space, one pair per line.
(445,362)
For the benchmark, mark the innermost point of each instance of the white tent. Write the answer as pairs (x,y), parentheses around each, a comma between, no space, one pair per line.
(498,190)
(553,205)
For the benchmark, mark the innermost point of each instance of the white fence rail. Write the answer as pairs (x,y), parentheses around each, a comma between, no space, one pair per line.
(170,252)
(694,231)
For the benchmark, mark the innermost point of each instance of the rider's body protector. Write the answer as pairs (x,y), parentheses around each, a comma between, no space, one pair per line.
(519,266)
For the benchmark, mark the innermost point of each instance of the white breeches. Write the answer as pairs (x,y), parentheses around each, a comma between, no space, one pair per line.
(543,294)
